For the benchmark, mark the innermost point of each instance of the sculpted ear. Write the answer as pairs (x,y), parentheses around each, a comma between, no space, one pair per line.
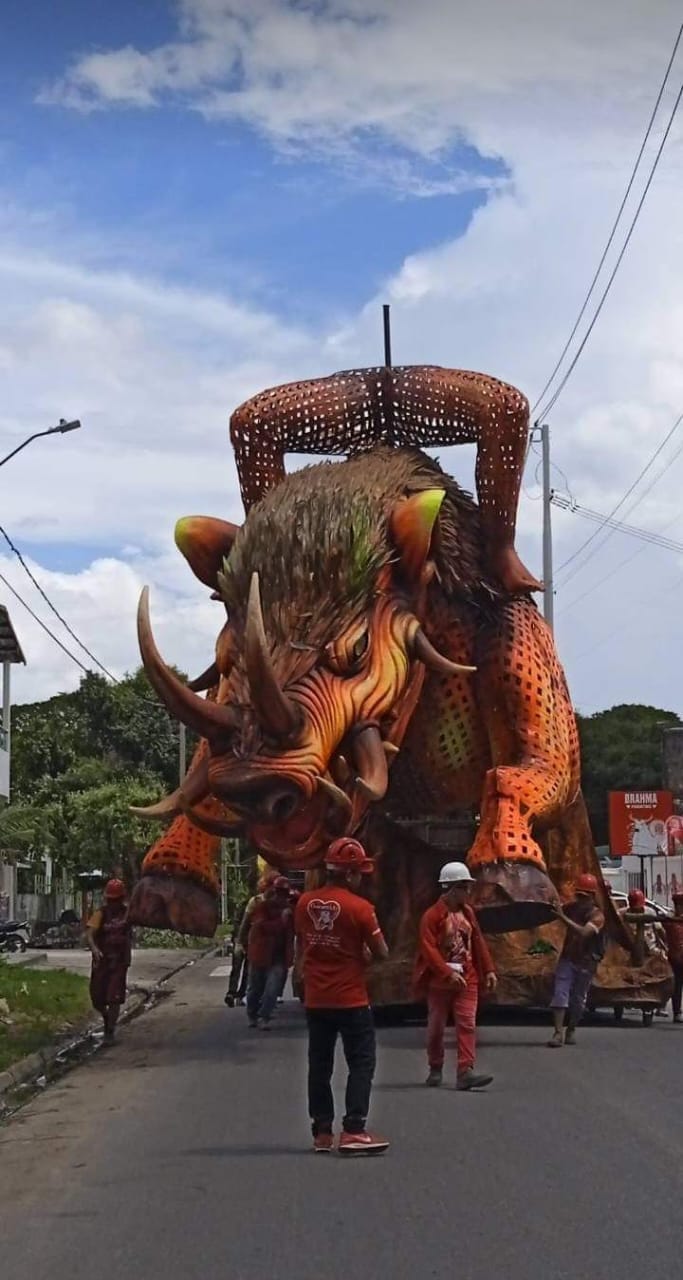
(205,543)
(413,526)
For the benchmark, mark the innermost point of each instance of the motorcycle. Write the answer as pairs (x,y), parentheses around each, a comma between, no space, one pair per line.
(14,935)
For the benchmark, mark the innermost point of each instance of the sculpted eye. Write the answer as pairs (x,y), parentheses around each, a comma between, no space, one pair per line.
(360,648)
(346,655)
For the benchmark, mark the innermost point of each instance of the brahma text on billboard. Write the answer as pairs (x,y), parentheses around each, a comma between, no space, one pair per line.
(638,823)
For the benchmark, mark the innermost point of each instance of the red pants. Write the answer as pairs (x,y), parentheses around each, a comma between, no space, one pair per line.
(462,1003)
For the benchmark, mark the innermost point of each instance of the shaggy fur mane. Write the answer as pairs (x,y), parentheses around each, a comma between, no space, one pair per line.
(320,538)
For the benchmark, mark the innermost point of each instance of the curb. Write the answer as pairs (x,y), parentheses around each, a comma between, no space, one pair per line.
(38,1064)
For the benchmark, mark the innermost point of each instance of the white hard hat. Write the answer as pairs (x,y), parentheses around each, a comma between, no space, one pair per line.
(452,872)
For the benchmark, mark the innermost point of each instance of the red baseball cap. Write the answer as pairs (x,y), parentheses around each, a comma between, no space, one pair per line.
(586,883)
(115,889)
(348,855)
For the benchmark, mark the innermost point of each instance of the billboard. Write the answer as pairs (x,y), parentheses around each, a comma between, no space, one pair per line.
(638,823)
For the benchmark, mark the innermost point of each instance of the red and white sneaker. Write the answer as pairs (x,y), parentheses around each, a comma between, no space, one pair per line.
(323,1142)
(362,1144)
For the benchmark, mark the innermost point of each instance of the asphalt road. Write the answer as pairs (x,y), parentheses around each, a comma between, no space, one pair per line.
(183,1151)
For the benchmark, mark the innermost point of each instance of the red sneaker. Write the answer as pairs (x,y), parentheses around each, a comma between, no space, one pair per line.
(362,1144)
(323,1142)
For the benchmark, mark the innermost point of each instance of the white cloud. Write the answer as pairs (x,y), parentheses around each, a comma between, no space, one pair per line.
(560,94)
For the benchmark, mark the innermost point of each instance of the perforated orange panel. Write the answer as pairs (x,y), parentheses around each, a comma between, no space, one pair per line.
(183,850)
(418,405)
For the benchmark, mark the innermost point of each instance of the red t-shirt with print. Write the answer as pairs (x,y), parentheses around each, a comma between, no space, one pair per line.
(333,926)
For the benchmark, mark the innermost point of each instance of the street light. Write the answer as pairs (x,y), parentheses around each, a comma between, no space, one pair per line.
(62,427)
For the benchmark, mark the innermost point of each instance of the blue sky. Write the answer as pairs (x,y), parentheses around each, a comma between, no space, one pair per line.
(200,199)
(213,203)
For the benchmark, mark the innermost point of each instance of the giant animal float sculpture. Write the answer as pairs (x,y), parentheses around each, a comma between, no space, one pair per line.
(382,657)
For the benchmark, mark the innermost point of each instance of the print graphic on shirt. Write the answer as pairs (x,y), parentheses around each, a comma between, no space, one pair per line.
(457,939)
(323,914)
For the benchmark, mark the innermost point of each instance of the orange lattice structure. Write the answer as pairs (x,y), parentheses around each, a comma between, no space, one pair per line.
(381,652)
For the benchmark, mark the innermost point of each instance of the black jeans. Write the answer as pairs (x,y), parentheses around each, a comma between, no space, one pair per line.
(678,987)
(357,1031)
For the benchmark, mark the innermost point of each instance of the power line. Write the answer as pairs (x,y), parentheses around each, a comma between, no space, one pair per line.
(622,500)
(646,535)
(53,607)
(603,297)
(44,625)
(603,639)
(636,503)
(616,222)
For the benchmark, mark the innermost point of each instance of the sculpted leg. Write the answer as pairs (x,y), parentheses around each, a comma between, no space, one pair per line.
(179,887)
(535,773)
(413,405)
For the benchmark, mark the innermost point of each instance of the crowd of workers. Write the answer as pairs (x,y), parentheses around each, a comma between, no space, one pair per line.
(330,935)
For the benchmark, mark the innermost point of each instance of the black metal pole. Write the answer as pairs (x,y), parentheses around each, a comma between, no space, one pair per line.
(387,334)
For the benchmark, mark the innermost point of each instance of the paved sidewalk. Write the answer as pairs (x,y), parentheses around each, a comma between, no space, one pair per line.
(150,965)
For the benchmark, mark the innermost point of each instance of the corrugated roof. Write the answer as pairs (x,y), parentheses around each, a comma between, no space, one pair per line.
(10,649)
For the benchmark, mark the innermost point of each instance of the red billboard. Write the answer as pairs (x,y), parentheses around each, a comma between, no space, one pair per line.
(637,823)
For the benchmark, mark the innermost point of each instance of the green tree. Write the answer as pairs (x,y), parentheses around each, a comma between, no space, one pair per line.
(621,749)
(79,760)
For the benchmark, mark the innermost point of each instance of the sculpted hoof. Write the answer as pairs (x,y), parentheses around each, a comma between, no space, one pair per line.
(168,902)
(513,895)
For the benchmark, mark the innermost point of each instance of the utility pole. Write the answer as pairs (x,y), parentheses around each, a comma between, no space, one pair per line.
(182,753)
(548,601)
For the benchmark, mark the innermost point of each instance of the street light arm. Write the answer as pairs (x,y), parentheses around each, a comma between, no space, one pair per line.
(61,427)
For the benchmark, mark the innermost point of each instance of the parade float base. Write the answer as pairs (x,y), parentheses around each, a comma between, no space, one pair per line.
(525,963)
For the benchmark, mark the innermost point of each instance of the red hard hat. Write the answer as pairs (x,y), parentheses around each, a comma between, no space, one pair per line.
(636,898)
(280,882)
(115,889)
(348,855)
(586,883)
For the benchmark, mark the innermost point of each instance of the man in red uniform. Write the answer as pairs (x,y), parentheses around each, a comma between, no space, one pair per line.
(582,950)
(270,947)
(673,929)
(337,934)
(453,962)
(109,939)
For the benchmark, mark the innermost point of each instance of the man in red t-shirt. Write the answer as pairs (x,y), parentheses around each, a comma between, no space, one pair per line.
(673,930)
(337,934)
(453,962)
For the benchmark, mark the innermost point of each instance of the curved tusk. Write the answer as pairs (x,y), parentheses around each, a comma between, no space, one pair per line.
(194,787)
(207,680)
(371,762)
(424,650)
(213,826)
(207,718)
(390,750)
(338,797)
(276,713)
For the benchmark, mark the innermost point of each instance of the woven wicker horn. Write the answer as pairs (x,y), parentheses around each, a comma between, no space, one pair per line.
(208,719)
(277,714)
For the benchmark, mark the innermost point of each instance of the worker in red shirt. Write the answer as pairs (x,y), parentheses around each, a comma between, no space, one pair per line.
(673,930)
(453,963)
(270,949)
(337,935)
